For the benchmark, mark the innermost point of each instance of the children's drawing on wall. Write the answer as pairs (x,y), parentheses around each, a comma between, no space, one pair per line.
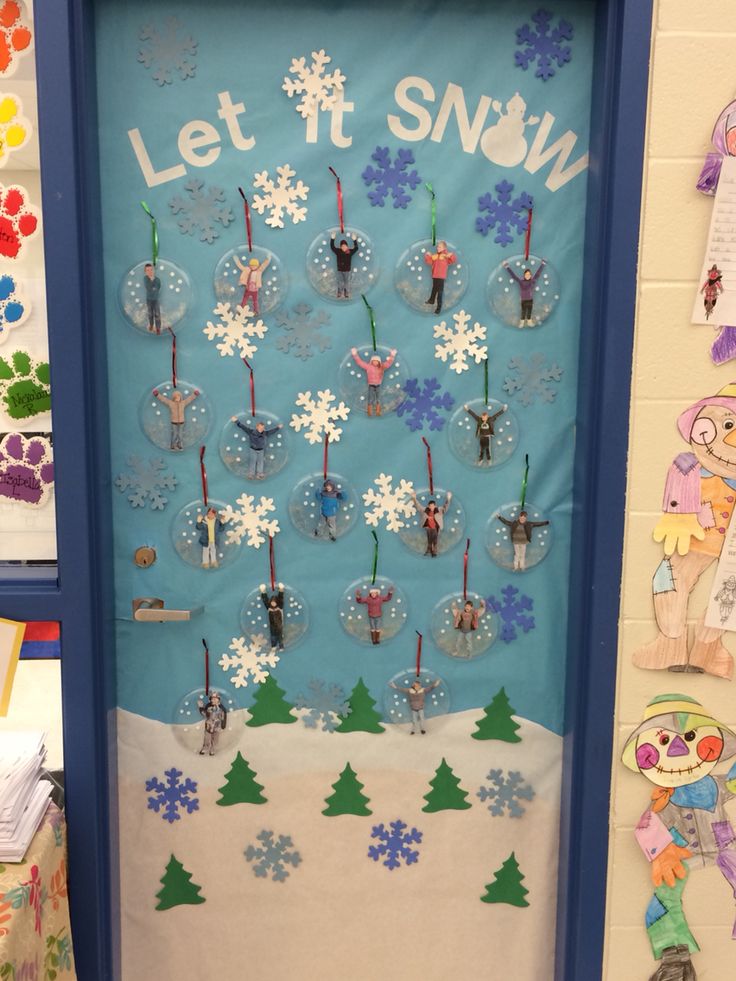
(726,599)
(711,288)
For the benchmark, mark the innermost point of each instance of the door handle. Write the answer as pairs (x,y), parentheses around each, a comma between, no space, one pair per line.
(151,609)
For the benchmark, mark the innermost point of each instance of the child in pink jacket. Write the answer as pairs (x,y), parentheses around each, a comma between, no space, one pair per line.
(374,370)
(440,261)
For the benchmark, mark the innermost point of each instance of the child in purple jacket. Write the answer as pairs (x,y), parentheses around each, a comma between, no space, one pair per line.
(526,284)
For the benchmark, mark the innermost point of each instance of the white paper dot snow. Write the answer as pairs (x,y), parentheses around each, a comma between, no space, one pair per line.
(459,342)
(393,505)
(235,330)
(156,299)
(280,197)
(257,279)
(317,88)
(319,416)
(342,265)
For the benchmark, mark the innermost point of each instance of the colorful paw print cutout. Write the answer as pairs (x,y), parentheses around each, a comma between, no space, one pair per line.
(14,307)
(19,220)
(25,386)
(16,38)
(26,469)
(15,128)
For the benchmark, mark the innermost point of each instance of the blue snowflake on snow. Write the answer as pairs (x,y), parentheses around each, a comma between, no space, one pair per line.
(201,210)
(272,856)
(543,46)
(506,793)
(422,403)
(391,178)
(394,844)
(172,795)
(503,214)
(513,611)
(324,703)
(166,50)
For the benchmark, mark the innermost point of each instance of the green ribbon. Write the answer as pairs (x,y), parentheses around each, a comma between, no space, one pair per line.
(375,557)
(154,233)
(485,381)
(373,319)
(434,213)
(524,481)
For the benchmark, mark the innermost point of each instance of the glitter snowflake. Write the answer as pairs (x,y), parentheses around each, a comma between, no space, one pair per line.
(513,610)
(543,45)
(325,703)
(167,50)
(319,416)
(389,502)
(237,328)
(503,213)
(250,661)
(391,178)
(303,331)
(506,793)
(394,844)
(532,379)
(145,480)
(272,856)
(460,342)
(250,520)
(422,403)
(172,796)
(280,197)
(201,211)
(318,89)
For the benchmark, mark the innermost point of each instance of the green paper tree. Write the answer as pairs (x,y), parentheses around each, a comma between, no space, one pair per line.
(497,723)
(269,705)
(178,889)
(241,786)
(507,887)
(347,798)
(446,793)
(362,716)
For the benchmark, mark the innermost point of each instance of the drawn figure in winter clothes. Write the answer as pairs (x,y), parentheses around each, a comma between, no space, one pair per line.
(726,597)
(724,140)
(257,441)
(526,283)
(176,406)
(344,255)
(274,604)
(465,621)
(440,261)
(432,517)
(374,601)
(215,720)
(711,288)
(251,279)
(210,526)
(329,498)
(699,499)
(374,372)
(484,430)
(685,827)
(416,695)
(520,531)
(152,285)
(504,143)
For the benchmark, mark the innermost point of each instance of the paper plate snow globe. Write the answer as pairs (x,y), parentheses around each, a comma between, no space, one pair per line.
(372,379)
(155,298)
(462,626)
(518,538)
(431,278)
(483,434)
(448,517)
(200,536)
(175,417)
(523,292)
(283,630)
(235,445)
(255,278)
(203,722)
(342,265)
(373,611)
(323,508)
(396,706)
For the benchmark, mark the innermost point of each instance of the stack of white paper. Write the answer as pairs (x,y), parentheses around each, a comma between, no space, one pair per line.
(24,795)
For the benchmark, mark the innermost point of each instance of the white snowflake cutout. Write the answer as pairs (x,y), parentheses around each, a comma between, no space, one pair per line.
(317,89)
(250,520)
(319,416)
(249,661)
(460,342)
(237,328)
(280,197)
(389,502)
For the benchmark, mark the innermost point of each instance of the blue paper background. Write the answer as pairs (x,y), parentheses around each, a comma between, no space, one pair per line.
(247,50)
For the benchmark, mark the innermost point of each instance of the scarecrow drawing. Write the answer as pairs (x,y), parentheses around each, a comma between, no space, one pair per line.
(726,597)
(711,288)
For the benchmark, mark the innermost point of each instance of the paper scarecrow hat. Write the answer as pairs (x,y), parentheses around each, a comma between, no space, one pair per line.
(726,397)
(678,713)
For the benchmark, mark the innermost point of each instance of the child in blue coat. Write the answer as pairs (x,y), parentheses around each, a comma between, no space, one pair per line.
(329,498)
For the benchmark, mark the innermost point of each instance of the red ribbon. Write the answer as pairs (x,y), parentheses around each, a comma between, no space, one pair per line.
(173,356)
(206,667)
(528,239)
(203,471)
(419,651)
(429,466)
(272,562)
(252,388)
(340,212)
(324,457)
(246,210)
(465,569)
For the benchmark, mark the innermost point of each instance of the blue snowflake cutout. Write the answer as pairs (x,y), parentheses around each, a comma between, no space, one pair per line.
(394,844)
(201,211)
(391,178)
(512,610)
(167,50)
(272,856)
(506,793)
(303,331)
(325,703)
(172,795)
(503,214)
(533,379)
(543,45)
(145,481)
(422,403)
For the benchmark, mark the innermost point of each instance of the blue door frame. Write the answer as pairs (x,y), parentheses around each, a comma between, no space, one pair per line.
(81,599)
